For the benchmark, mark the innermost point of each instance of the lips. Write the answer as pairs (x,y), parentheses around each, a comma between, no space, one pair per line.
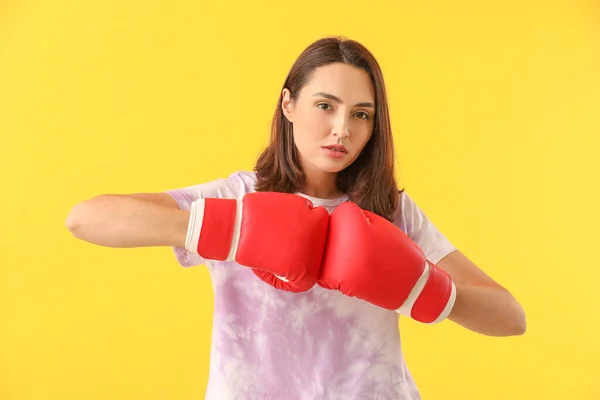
(337,147)
(335,151)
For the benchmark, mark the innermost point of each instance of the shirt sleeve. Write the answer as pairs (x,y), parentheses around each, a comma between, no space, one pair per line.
(419,228)
(232,187)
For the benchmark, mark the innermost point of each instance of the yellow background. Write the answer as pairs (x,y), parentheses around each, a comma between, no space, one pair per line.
(496,113)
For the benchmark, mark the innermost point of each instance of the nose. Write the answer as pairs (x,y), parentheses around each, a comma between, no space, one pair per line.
(340,128)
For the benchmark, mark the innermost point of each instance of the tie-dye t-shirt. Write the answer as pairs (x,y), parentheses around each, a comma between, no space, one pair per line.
(269,344)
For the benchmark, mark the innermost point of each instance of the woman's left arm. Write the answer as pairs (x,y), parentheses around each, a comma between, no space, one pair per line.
(482,305)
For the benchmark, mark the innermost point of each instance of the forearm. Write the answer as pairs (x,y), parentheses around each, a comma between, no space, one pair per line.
(491,311)
(124,221)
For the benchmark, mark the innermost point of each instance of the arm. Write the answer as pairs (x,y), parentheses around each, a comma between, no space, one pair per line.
(135,220)
(482,305)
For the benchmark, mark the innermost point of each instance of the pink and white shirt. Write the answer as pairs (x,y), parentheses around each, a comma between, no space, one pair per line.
(269,344)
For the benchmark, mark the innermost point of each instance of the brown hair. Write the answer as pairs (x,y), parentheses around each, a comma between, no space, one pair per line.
(369,181)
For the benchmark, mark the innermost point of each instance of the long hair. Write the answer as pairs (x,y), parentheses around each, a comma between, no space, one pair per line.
(370,180)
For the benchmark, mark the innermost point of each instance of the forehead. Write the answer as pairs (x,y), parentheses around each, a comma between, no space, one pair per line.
(349,83)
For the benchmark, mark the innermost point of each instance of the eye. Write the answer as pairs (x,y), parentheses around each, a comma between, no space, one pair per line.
(362,115)
(324,106)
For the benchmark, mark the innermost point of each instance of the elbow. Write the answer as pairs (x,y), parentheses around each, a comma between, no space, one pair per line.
(79,216)
(521,323)
(74,219)
(517,325)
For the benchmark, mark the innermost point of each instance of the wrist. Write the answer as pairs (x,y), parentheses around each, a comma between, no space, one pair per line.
(194,225)
(432,298)
(213,228)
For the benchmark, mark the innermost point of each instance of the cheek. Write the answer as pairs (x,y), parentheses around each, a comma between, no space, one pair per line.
(363,134)
(312,124)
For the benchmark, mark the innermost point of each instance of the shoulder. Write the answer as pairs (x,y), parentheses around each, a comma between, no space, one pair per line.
(410,215)
(235,186)
(245,178)
(405,211)
(421,229)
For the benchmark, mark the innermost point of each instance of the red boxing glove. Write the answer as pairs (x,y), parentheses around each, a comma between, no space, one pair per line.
(368,257)
(281,236)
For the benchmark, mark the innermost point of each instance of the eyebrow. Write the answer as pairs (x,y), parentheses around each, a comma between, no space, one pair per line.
(338,100)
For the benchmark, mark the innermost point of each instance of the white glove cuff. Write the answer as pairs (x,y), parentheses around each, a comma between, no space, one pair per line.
(406,308)
(235,240)
(194,226)
(448,307)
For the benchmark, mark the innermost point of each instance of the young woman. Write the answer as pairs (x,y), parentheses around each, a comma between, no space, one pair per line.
(315,253)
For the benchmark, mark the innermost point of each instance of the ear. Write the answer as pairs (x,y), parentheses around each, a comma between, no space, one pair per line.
(287,105)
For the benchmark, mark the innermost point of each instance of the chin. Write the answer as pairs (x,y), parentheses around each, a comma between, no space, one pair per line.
(328,165)
(332,168)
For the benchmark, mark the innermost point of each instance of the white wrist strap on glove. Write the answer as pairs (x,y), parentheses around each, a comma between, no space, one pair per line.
(195,228)
(406,308)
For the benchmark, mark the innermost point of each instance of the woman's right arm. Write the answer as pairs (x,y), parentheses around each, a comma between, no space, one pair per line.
(129,220)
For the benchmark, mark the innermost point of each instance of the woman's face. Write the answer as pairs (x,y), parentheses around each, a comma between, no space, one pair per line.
(332,117)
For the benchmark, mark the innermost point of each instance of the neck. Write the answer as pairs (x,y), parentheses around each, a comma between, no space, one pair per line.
(321,185)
